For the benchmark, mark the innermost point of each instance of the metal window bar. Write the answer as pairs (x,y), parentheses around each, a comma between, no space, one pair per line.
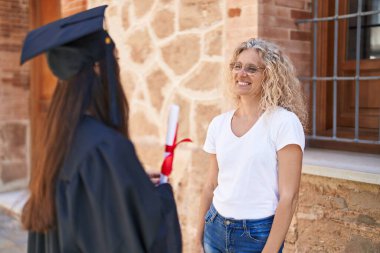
(357,78)
(357,83)
(335,70)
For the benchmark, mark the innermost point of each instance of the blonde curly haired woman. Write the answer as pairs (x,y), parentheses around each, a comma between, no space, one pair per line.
(256,154)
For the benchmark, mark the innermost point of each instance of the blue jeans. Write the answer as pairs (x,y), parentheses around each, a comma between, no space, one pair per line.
(225,235)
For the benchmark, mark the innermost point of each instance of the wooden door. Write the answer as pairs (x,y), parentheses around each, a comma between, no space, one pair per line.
(43,81)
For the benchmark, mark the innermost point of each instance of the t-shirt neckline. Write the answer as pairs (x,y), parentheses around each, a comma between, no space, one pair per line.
(249,130)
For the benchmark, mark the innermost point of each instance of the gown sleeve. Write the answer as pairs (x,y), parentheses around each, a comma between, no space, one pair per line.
(108,204)
(169,237)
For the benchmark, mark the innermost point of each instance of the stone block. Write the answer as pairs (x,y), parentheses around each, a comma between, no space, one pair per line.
(184,116)
(321,236)
(296,4)
(112,11)
(272,10)
(300,35)
(289,248)
(204,113)
(15,94)
(128,80)
(182,162)
(13,171)
(358,200)
(368,220)
(141,125)
(360,244)
(156,82)
(142,7)
(338,203)
(213,42)
(293,45)
(125,16)
(199,162)
(277,21)
(163,23)
(20,79)
(198,13)
(206,77)
(274,33)
(13,141)
(182,53)
(140,44)
(297,14)
(150,155)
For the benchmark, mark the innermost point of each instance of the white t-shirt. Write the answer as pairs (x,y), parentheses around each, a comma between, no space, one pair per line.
(248,170)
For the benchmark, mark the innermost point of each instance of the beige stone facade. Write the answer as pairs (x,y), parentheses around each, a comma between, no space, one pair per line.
(176,51)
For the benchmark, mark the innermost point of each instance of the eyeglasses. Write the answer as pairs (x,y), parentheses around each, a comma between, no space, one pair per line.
(249,69)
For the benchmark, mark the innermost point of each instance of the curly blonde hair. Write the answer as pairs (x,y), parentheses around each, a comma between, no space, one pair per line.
(280,86)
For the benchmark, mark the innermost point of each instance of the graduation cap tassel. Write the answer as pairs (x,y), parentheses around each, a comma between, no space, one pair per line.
(112,92)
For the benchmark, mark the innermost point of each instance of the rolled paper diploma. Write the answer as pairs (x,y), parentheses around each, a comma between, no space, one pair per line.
(171,137)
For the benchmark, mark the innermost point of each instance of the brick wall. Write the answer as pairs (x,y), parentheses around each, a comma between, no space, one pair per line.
(14,94)
(15,91)
(272,20)
(276,22)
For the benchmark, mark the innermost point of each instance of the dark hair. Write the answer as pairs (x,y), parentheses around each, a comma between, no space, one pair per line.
(86,92)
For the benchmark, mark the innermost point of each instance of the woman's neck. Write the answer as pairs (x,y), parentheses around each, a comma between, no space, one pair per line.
(249,108)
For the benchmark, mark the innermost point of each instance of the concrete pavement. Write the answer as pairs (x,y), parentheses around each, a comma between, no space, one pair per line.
(13,238)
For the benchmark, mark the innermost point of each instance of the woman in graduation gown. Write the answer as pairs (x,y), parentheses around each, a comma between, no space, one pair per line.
(88,190)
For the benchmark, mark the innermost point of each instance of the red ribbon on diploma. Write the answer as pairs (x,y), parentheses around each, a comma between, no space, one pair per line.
(167,164)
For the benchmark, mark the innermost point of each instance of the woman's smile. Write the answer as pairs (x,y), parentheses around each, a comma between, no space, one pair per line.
(242,84)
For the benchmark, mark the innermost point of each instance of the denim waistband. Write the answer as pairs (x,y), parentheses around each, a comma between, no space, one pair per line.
(235,223)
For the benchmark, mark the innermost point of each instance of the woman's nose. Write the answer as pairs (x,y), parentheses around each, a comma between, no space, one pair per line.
(242,72)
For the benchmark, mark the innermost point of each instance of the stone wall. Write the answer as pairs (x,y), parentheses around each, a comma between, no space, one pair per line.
(70,7)
(336,215)
(171,51)
(14,94)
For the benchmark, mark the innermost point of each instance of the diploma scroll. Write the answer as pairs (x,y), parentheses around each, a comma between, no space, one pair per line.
(170,143)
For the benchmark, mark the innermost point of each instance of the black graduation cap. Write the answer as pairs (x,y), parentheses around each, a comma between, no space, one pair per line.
(72,43)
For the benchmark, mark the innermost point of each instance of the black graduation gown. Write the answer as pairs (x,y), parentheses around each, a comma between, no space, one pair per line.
(105,201)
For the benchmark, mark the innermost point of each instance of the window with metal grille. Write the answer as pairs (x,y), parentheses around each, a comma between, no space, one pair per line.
(345,81)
